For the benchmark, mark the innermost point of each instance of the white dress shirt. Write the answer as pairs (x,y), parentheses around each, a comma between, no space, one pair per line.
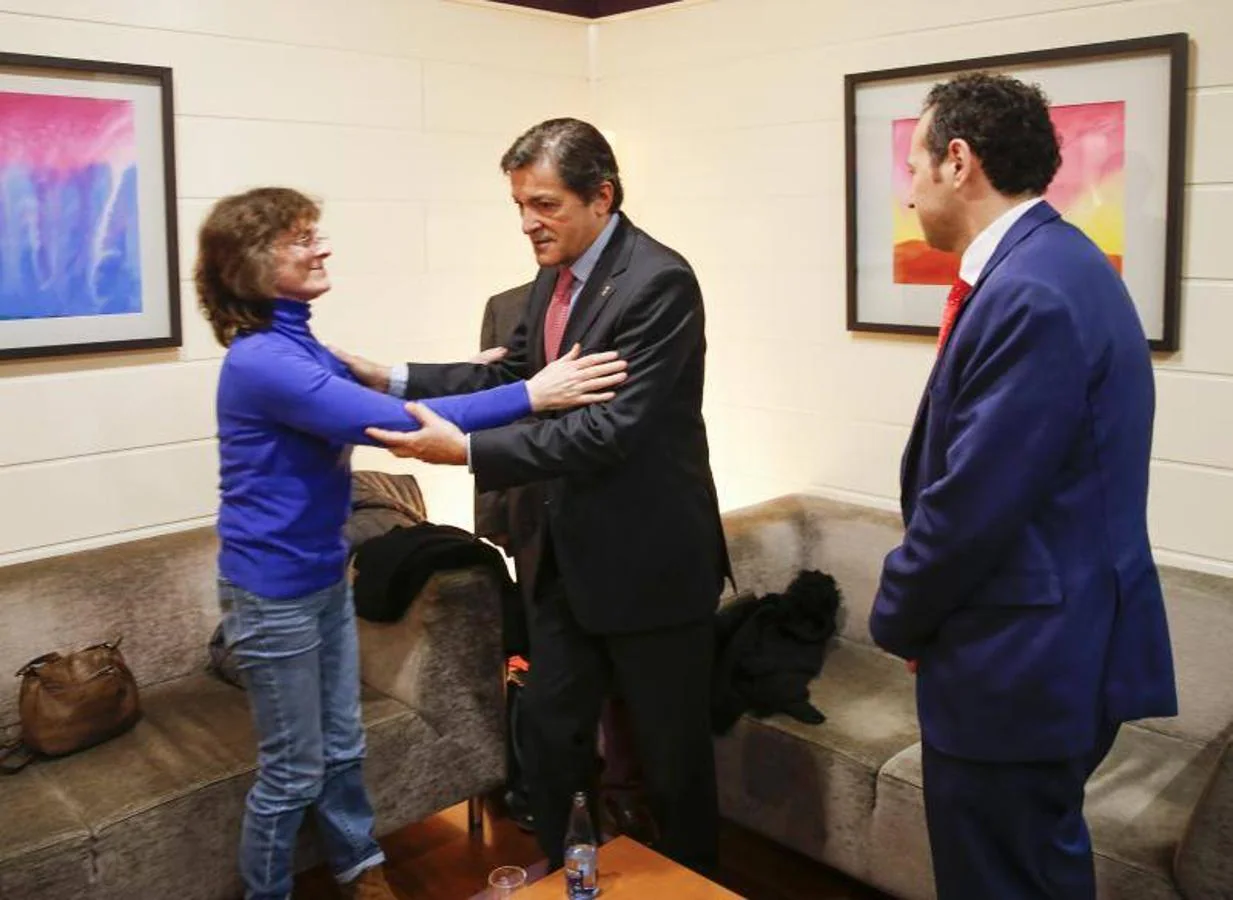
(980,251)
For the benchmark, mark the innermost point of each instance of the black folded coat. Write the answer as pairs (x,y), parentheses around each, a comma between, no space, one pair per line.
(392,568)
(768,649)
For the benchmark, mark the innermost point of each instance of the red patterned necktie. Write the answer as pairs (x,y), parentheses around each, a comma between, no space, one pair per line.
(558,314)
(954,302)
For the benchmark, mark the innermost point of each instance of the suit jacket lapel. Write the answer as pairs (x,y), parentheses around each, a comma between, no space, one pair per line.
(1038,215)
(600,285)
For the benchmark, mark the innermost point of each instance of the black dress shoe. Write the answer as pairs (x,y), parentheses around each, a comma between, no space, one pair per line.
(518,808)
(627,814)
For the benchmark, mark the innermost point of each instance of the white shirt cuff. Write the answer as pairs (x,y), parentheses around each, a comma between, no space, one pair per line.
(469,469)
(398,380)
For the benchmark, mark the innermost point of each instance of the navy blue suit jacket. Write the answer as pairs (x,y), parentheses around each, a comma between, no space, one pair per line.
(1025,584)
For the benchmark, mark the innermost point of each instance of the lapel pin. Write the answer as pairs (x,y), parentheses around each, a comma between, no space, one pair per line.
(606,289)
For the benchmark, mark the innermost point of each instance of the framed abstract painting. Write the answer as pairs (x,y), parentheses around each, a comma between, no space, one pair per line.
(1119,110)
(88,246)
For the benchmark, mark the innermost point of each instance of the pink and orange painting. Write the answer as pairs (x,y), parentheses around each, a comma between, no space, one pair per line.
(1089,190)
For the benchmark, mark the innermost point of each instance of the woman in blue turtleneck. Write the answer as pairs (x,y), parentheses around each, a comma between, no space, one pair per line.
(288,413)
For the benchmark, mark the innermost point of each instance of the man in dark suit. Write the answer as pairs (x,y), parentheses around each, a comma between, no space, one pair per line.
(629,553)
(1024,590)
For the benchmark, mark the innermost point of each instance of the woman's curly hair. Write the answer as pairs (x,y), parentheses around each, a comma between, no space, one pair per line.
(1004,121)
(234,272)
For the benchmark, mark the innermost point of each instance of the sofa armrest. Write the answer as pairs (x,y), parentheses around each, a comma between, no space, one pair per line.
(444,660)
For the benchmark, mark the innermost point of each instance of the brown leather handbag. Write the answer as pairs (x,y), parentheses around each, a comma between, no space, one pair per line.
(68,703)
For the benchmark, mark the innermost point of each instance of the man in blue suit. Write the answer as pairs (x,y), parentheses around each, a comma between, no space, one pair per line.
(1024,593)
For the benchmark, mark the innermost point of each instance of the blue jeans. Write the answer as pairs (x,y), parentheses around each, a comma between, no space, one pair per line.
(299,659)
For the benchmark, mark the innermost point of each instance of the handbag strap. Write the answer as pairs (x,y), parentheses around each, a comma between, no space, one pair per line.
(36,662)
(14,757)
(53,656)
(105,645)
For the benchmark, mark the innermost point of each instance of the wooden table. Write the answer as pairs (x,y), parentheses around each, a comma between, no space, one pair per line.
(630,871)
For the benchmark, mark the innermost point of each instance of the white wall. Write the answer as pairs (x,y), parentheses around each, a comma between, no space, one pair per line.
(395,112)
(728,116)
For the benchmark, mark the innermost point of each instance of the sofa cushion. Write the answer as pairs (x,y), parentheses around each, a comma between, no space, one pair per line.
(1136,807)
(1204,863)
(194,731)
(43,840)
(811,787)
(870,705)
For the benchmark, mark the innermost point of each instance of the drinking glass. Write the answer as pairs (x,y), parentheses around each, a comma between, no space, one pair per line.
(505,881)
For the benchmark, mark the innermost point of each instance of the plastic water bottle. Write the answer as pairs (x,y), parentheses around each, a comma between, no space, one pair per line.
(581,868)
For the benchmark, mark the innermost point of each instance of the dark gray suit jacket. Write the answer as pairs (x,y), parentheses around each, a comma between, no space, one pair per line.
(628,498)
(502,513)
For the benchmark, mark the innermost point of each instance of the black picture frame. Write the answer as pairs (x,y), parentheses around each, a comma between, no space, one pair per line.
(147,95)
(1161,318)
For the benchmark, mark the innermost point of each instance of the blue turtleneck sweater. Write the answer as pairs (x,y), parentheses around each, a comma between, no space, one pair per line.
(288,411)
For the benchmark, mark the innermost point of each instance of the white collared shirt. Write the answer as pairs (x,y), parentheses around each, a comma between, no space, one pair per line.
(981,250)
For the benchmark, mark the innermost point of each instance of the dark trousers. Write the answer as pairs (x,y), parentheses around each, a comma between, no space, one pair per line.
(621,769)
(664,678)
(1010,831)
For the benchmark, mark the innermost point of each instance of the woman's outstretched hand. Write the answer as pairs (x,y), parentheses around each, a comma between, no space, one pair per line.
(576,380)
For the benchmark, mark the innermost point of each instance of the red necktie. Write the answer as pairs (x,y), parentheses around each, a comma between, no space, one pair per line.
(558,314)
(954,303)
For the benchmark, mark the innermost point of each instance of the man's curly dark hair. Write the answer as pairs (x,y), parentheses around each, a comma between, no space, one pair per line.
(1004,121)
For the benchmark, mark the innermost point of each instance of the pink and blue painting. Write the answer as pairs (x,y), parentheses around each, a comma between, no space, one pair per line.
(69,241)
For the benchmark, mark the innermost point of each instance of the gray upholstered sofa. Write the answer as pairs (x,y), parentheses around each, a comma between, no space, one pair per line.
(156,812)
(848,792)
